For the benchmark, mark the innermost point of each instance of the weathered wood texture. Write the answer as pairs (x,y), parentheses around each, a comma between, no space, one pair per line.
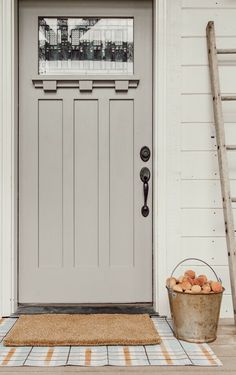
(224,347)
(222,157)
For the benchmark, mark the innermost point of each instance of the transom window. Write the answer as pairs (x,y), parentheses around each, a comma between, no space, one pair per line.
(86,45)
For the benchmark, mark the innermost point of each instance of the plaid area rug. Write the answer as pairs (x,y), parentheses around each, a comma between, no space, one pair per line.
(171,352)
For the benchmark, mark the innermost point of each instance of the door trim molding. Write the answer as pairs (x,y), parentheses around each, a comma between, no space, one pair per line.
(159,157)
(88,84)
(9,151)
(8,155)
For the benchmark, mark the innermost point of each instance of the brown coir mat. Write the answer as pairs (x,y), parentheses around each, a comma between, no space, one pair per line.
(81,329)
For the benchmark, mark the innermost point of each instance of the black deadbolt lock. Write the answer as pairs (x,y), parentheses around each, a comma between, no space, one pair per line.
(145,153)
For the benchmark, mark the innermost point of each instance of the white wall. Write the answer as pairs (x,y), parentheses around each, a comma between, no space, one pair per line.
(198,217)
(189,218)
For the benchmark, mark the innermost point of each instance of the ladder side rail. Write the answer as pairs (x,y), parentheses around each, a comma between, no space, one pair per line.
(222,158)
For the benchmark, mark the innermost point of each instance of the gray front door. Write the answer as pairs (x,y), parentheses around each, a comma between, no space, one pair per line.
(85,112)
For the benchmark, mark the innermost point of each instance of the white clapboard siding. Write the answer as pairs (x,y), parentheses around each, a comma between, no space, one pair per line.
(194,21)
(198,108)
(199,165)
(212,249)
(195,80)
(204,165)
(202,232)
(203,222)
(223,4)
(226,307)
(201,136)
(198,137)
(203,193)
(198,48)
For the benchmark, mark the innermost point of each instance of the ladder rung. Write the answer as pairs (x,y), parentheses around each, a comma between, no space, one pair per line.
(226,51)
(233,199)
(224,98)
(231,147)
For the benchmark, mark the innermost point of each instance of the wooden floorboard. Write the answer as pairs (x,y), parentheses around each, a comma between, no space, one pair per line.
(224,347)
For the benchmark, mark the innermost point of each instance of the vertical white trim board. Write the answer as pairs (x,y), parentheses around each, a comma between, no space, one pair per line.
(8,152)
(159,142)
(8,181)
(167,166)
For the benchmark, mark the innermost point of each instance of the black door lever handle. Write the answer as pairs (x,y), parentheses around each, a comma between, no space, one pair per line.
(145,175)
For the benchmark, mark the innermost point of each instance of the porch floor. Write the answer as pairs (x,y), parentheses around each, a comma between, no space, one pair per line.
(224,347)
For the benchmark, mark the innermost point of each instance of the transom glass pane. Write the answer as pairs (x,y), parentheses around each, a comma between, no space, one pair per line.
(86,45)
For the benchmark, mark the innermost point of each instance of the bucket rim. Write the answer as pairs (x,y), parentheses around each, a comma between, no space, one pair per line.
(194,294)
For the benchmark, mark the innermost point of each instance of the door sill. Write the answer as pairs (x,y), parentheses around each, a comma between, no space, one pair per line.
(137,308)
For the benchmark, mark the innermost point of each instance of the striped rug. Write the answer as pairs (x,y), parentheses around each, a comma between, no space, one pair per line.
(171,352)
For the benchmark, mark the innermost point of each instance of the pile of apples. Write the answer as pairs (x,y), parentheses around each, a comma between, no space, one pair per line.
(190,283)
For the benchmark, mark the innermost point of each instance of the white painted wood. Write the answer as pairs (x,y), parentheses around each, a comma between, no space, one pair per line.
(202,112)
(226,307)
(173,146)
(222,4)
(205,165)
(159,154)
(198,108)
(223,18)
(201,136)
(211,249)
(202,229)
(8,136)
(198,55)
(199,165)
(191,113)
(203,193)
(195,79)
(203,222)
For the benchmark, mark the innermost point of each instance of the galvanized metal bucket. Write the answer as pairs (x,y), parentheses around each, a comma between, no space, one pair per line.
(195,316)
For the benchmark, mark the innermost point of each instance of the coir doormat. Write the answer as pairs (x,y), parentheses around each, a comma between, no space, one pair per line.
(170,352)
(82,329)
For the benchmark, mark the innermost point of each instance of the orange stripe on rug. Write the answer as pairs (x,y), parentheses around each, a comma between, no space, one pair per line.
(208,355)
(8,356)
(88,353)
(1,320)
(128,361)
(166,354)
(49,355)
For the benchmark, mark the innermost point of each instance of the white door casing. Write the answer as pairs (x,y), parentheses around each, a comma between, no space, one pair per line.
(8,248)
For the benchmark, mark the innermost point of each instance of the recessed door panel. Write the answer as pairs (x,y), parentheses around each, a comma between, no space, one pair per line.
(121,183)
(86,169)
(50,195)
(85,112)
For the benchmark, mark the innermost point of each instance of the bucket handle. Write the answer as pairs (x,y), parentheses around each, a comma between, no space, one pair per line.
(199,260)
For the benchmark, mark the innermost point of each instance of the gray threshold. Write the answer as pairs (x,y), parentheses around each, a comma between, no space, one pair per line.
(85,309)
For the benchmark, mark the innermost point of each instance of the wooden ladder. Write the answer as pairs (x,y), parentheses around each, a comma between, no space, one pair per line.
(222,149)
